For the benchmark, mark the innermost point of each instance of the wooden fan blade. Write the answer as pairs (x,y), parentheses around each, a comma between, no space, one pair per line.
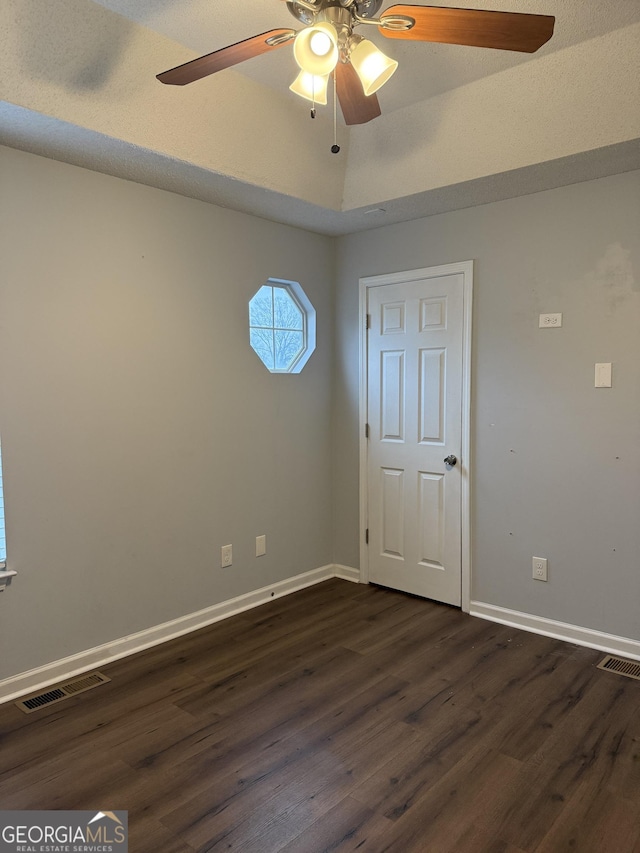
(225,57)
(357,108)
(475,27)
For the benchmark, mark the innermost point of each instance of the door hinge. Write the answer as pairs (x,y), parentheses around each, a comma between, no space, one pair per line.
(366,430)
(367,322)
(366,536)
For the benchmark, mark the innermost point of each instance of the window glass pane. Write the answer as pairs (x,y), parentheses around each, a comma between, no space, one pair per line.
(287,313)
(261,308)
(262,342)
(3,543)
(282,326)
(288,346)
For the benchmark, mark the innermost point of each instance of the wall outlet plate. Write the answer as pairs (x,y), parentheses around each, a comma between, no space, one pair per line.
(550,321)
(540,568)
(226,556)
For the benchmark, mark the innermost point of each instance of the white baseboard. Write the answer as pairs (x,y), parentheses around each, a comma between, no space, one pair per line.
(37,679)
(346,573)
(623,646)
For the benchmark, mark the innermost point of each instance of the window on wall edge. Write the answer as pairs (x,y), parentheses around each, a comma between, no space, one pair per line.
(3,540)
(282,326)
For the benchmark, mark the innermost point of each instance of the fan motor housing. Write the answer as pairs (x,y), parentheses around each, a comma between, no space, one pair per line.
(364,8)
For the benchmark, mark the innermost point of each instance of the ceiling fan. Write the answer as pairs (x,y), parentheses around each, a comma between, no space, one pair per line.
(327,44)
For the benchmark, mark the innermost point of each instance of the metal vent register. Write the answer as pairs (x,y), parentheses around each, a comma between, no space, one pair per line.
(61,692)
(630,668)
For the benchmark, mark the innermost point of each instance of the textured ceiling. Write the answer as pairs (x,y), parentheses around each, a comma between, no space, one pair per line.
(425,69)
(460,126)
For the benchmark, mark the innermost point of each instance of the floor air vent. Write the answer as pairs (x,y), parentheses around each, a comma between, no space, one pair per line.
(630,668)
(62,691)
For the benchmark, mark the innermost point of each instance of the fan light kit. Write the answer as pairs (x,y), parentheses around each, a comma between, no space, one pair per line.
(327,47)
(313,87)
(315,49)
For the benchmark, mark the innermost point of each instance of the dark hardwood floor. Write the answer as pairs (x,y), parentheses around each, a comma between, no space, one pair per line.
(345,718)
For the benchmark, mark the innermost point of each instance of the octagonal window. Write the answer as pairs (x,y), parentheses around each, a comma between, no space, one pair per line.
(282,326)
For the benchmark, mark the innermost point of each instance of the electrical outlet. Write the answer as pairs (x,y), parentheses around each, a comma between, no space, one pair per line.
(550,321)
(226,556)
(540,569)
(261,546)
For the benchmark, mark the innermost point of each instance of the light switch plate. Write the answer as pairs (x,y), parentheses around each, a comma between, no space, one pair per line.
(603,375)
(261,546)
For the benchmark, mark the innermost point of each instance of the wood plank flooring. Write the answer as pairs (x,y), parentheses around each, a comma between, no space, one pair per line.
(345,718)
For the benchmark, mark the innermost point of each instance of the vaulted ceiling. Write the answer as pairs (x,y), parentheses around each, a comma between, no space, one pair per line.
(460,126)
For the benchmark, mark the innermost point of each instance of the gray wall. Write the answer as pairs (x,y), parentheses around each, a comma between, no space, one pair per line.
(140,432)
(556,461)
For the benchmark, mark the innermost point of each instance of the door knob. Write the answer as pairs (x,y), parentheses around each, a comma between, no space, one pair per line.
(450,460)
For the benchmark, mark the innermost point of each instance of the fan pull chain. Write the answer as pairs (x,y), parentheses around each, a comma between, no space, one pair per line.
(335,148)
(313,98)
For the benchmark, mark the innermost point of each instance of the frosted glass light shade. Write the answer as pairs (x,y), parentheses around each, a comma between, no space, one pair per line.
(371,65)
(313,87)
(316,49)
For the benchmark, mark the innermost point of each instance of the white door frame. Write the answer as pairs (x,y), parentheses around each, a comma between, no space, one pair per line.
(466,268)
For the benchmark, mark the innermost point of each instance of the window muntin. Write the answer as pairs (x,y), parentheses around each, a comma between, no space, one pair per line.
(282,326)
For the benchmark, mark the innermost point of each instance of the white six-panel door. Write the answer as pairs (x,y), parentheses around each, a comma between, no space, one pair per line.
(415,403)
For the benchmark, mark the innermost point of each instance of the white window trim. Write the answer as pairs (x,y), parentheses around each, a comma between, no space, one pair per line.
(5,577)
(3,563)
(309,323)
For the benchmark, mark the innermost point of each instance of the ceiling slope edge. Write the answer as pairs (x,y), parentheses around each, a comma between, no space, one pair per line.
(50,137)
(528,180)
